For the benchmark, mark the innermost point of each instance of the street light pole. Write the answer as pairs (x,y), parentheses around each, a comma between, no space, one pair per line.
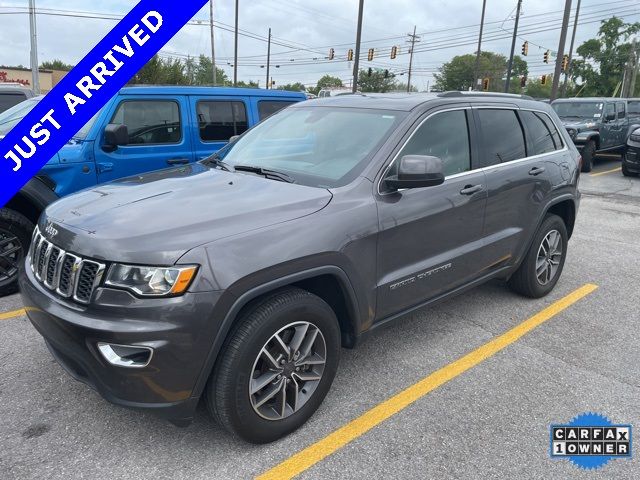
(235,51)
(476,71)
(213,45)
(356,63)
(268,58)
(560,54)
(513,48)
(413,46)
(35,76)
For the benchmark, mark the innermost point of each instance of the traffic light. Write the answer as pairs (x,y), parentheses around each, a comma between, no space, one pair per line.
(523,82)
(547,54)
(350,55)
(565,63)
(525,48)
(394,52)
(485,85)
(369,72)
(543,80)
(371,53)
(332,54)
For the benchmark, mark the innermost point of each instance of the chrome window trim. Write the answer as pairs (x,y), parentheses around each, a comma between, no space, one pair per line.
(564,148)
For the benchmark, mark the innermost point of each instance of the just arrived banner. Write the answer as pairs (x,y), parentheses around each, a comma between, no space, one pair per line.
(88,87)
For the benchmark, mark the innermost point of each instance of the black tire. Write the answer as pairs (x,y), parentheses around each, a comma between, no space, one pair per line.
(626,172)
(15,237)
(588,154)
(525,280)
(227,392)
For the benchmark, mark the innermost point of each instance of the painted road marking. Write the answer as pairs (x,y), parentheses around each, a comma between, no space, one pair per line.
(313,454)
(13,314)
(606,172)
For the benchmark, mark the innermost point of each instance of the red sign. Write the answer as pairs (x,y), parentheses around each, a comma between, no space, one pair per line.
(4,79)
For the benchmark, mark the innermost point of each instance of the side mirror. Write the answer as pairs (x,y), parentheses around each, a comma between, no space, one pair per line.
(115,135)
(234,138)
(417,171)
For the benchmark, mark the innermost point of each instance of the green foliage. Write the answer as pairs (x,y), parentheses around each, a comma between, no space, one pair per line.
(535,88)
(603,59)
(56,65)
(459,73)
(326,81)
(174,71)
(293,87)
(376,82)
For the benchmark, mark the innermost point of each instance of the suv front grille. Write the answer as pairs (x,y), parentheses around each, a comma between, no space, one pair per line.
(67,274)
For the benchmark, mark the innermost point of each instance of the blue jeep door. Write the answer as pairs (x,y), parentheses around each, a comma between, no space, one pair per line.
(158,137)
(218,119)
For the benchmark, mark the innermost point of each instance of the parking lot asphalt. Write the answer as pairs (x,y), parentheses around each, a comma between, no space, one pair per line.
(488,421)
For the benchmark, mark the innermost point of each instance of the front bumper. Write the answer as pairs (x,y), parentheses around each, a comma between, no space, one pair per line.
(631,159)
(179,330)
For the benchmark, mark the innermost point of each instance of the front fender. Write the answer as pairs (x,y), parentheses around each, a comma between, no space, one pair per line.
(583,137)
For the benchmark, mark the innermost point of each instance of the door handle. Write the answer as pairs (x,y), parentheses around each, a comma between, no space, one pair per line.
(178,161)
(471,189)
(536,171)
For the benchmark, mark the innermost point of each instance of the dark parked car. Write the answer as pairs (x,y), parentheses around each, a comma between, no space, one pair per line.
(12,95)
(238,278)
(631,158)
(596,125)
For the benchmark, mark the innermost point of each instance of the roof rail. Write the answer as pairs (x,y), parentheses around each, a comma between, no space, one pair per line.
(484,94)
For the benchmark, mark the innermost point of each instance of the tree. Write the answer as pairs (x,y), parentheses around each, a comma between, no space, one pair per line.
(603,59)
(402,87)
(326,82)
(249,84)
(380,81)
(459,73)
(56,65)
(203,73)
(293,87)
(535,88)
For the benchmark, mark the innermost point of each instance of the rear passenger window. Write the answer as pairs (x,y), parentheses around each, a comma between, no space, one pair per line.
(446,136)
(220,120)
(266,108)
(622,111)
(502,136)
(542,134)
(634,108)
(150,122)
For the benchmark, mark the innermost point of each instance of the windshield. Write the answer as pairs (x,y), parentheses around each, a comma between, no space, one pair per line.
(11,117)
(586,110)
(321,147)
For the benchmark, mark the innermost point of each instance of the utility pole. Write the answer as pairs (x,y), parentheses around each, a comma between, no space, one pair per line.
(414,39)
(35,75)
(235,51)
(213,45)
(573,39)
(513,48)
(560,53)
(476,70)
(268,58)
(634,74)
(356,63)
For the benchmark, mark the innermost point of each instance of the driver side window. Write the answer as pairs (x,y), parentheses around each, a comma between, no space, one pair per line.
(446,136)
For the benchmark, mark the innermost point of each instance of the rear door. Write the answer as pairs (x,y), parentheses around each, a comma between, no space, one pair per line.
(216,120)
(429,238)
(610,128)
(158,137)
(518,184)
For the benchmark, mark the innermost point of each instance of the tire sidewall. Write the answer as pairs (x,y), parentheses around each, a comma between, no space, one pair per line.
(245,421)
(552,222)
(588,154)
(23,234)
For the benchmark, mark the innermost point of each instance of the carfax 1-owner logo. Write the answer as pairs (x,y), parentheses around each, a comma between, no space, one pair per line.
(590,441)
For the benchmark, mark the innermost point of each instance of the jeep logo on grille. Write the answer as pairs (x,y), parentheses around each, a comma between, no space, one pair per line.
(51,230)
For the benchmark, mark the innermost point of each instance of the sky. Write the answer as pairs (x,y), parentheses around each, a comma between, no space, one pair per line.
(304,31)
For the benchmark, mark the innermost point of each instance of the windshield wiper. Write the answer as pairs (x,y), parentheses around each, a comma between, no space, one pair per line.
(267,173)
(217,162)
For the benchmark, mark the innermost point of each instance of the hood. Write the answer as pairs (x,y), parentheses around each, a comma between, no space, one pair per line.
(155,218)
(578,124)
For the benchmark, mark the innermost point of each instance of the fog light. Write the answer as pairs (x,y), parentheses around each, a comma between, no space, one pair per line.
(125,355)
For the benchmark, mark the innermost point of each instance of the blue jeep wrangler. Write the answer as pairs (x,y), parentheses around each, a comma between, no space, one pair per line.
(139,130)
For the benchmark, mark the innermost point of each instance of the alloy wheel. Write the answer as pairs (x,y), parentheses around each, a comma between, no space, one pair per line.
(10,255)
(287,371)
(549,257)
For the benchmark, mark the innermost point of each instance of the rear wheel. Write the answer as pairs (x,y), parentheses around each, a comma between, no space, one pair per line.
(15,237)
(588,154)
(276,366)
(543,264)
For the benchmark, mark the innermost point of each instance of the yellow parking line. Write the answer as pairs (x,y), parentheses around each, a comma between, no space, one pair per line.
(313,454)
(605,172)
(13,314)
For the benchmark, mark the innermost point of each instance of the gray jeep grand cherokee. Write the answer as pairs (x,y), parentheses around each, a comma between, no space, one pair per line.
(239,278)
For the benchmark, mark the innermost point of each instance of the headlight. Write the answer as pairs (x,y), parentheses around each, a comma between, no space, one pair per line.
(635,137)
(151,281)
(572,132)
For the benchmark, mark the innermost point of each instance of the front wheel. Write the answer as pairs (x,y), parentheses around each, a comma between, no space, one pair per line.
(543,264)
(15,237)
(588,154)
(626,172)
(276,367)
